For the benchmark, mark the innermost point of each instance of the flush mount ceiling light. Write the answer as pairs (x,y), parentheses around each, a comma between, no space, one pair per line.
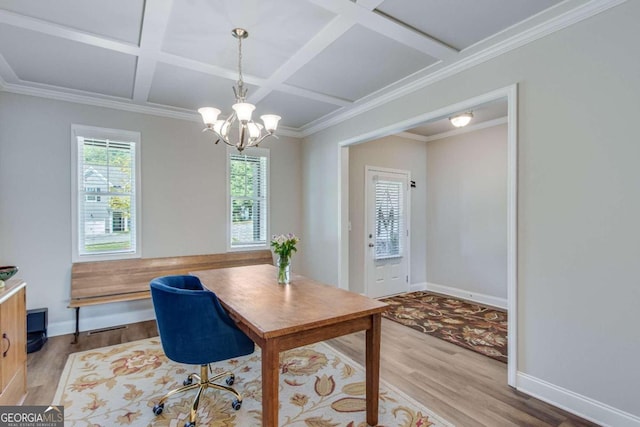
(461,119)
(238,130)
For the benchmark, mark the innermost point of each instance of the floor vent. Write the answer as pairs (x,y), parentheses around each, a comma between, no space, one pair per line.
(99,331)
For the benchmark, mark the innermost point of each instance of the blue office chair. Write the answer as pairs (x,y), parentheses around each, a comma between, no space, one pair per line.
(195,329)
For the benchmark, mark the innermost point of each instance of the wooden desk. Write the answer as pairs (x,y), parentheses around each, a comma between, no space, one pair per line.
(282,317)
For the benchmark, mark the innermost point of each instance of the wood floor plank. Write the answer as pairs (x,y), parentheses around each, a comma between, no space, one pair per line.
(462,386)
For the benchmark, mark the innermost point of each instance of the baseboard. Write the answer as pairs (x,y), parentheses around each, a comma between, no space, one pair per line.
(88,323)
(575,403)
(468,295)
(414,287)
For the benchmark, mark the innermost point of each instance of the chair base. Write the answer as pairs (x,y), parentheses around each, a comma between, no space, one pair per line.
(202,383)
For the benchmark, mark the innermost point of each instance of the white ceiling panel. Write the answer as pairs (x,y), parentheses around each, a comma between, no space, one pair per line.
(461,23)
(177,87)
(67,64)
(358,63)
(294,110)
(116,19)
(201,30)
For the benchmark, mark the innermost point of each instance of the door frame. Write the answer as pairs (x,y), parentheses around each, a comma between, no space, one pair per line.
(407,203)
(511,94)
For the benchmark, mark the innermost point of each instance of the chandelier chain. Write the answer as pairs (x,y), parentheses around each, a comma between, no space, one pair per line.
(240,81)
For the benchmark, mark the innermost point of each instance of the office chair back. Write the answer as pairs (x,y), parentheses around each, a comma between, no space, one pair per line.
(193,326)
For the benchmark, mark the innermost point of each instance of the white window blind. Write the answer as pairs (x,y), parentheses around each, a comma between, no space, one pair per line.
(106,199)
(248,199)
(389,219)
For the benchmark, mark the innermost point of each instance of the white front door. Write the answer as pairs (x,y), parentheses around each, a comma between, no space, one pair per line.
(386,232)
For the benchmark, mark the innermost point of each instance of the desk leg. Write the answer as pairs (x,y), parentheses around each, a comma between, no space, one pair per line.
(373,369)
(270,384)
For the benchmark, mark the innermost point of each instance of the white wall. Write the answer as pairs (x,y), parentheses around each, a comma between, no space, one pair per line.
(578,204)
(183,197)
(396,153)
(467,212)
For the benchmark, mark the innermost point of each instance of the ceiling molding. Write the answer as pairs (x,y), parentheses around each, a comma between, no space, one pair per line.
(360,13)
(7,74)
(469,128)
(156,19)
(364,16)
(44,27)
(329,34)
(413,136)
(557,23)
(118,104)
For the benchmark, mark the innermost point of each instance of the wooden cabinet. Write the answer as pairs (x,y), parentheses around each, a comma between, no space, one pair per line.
(13,347)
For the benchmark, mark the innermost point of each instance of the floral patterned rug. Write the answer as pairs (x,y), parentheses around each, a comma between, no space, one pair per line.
(319,387)
(476,327)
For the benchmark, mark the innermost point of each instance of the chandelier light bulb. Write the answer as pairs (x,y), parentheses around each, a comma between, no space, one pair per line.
(243,110)
(209,115)
(254,129)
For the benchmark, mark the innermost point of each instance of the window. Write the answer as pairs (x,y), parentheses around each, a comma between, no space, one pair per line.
(105,190)
(389,206)
(248,195)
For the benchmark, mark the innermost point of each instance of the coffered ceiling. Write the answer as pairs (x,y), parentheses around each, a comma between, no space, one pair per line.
(309,61)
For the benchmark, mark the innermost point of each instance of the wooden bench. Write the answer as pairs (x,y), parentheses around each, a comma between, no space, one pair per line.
(102,282)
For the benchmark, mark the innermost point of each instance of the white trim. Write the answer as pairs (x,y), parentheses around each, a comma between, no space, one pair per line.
(253,151)
(104,133)
(583,406)
(467,129)
(89,323)
(414,287)
(413,136)
(467,295)
(512,233)
(557,23)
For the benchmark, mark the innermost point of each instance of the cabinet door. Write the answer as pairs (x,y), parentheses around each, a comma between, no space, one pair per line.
(13,320)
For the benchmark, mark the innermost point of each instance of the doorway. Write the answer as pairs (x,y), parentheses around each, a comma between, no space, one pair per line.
(510,94)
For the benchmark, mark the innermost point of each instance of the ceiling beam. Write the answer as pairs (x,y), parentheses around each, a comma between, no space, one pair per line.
(387,27)
(44,27)
(329,34)
(6,72)
(154,26)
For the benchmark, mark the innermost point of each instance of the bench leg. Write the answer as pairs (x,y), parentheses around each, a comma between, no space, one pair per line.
(77,332)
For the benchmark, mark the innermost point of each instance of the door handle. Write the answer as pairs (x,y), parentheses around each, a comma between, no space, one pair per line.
(371,245)
(4,353)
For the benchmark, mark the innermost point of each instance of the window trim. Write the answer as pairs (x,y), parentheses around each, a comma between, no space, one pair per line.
(255,151)
(103,133)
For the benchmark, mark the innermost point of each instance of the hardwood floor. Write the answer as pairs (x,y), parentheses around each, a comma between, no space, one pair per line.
(464,387)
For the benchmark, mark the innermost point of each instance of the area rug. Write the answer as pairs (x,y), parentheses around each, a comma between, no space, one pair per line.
(319,387)
(476,327)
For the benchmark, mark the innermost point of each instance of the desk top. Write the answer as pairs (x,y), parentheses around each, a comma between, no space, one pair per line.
(253,295)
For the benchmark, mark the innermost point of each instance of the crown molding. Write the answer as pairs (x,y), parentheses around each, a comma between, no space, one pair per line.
(92,100)
(532,34)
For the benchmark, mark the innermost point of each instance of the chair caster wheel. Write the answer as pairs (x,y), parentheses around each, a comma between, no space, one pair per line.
(157,409)
(188,381)
(236,404)
(231,380)
(189,424)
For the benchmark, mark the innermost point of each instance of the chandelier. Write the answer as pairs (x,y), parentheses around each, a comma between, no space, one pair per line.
(238,130)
